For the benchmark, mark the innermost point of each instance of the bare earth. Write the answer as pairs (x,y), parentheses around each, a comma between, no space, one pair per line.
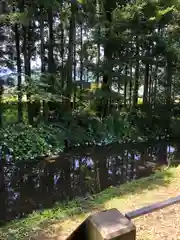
(163,224)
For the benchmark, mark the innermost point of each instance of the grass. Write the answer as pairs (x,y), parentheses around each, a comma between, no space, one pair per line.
(63,218)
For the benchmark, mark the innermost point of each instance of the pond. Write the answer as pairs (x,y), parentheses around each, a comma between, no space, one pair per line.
(78,172)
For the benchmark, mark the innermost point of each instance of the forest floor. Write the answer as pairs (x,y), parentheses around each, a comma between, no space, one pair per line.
(59,222)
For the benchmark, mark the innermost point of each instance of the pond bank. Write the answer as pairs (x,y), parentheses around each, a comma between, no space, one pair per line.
(77,173)
(62,218)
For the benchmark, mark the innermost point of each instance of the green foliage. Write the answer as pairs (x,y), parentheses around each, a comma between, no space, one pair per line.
(29,142)
(87,128)
(139,40)
(80,128)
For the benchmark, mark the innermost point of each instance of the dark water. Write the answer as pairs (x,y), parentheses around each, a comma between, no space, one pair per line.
(78,172)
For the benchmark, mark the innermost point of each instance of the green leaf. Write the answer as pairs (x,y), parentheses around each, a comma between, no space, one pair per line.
(161,13)
(80,1)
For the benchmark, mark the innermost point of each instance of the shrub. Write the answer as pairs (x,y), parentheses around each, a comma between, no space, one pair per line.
(28,142)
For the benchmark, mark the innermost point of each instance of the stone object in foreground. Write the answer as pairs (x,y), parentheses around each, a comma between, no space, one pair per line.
(105,225)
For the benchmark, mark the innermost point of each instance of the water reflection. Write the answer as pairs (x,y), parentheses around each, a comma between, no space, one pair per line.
(25,187)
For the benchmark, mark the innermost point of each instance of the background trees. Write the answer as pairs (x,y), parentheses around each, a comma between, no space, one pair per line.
(98,69)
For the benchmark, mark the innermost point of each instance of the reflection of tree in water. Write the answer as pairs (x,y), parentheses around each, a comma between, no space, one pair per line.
(162,153)
(102,171)
(83,175)
(66,176)
(75,173)
(176,150)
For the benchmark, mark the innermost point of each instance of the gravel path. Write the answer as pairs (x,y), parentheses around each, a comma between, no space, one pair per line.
(164,224)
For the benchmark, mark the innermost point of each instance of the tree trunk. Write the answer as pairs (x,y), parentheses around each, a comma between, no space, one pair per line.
(19,72)
(27,67)
(42,56)
(136,84)
(42,53)
(150,85)
(62,48)
(81,54)
(155,85)
(75,64)
(107,77)
(168,91)
(130,85)
(51,65)
(70,56)
(98,44)
(125,84)
(146,81)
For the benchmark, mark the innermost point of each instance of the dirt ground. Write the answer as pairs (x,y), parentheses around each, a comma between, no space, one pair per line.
(164,224)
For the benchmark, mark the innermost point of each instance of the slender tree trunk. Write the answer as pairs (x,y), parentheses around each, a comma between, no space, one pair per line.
(75,65)
(81,59)
(62,48)
(51,63)
(42,56)
(51,66)
(19,72)
(130,85)
(27,67)
(98,60)
(2,10)
(70,56)
(125,84)
(98,45)
(173,92)
(150,85)
(155,85)
(81,54)
(136,84)
(168,91)
(146,81)
(107,77)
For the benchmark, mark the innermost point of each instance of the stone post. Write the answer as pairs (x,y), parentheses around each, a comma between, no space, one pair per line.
(105,225)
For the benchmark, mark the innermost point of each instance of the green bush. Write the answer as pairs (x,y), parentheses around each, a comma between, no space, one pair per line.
(29,142)
(78,129)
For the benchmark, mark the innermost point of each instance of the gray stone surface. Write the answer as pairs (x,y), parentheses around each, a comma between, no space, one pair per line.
(106,225)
